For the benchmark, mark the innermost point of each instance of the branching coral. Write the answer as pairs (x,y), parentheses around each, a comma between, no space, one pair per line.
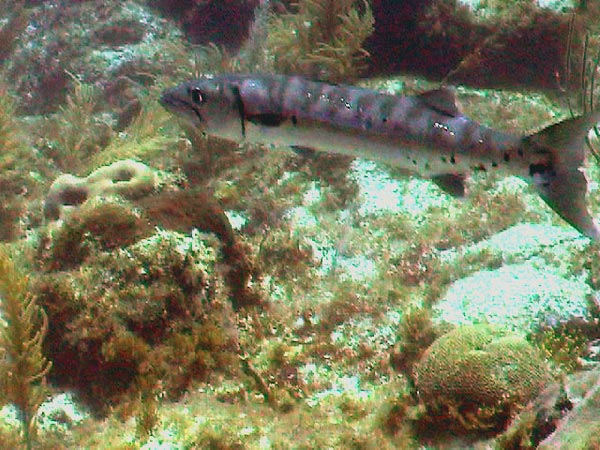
(323,40)
(23,367)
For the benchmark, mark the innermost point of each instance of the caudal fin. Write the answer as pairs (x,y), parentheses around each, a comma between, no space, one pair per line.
(560,181)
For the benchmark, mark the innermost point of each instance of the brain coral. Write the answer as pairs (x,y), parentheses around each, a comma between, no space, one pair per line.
(478,376)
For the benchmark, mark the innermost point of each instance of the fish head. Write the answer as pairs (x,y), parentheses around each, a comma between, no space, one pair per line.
(210,104)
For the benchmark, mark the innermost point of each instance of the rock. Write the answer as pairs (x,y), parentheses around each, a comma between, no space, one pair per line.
(516,296)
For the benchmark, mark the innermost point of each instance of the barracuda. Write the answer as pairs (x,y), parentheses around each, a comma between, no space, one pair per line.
(424,134)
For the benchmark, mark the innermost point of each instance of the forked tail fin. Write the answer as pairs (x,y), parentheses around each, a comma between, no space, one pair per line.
(560,179)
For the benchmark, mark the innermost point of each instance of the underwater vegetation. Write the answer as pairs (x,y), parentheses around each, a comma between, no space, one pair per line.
(204,22)
(23,365)
(323,40)
(12,179)
(202,295)
(12,28)
(167,310)
(77,132)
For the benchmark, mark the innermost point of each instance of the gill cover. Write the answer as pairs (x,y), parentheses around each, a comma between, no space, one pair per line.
(208,103)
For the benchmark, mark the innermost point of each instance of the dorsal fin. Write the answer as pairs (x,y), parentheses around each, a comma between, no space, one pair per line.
(442,100)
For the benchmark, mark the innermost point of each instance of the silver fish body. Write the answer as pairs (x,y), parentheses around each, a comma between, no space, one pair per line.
(424,134)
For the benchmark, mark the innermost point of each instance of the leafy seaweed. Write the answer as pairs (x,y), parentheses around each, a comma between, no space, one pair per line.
(23,367)
(323,40)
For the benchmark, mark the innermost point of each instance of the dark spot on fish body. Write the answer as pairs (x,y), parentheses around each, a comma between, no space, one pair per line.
(278,91)
(268,120)
(494,164)
(414,161)
(452,159)
(520,152)
(542,173)
(365,112)
(294,120)
(444,159)
(539,169)
(506,157)
(386,107)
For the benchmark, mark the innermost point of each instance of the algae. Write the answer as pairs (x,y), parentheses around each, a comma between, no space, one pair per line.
(322,40)
(23,366)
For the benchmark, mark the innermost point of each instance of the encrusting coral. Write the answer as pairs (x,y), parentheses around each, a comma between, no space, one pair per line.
(477,377)
(23,367)
(129,178)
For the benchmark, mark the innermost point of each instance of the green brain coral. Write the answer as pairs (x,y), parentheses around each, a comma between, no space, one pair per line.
(478,376)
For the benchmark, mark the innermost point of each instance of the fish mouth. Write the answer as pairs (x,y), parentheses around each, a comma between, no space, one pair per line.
(171,100)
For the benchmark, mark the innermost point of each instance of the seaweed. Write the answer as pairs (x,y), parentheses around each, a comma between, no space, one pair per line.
(11,30)
(75,134)
(322,40)
(143,139)
(23,367)
(10,139)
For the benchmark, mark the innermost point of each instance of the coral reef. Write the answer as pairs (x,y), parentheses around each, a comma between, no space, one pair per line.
(201,293)
(563,416)
(23,367)
(477,377)
(98,225)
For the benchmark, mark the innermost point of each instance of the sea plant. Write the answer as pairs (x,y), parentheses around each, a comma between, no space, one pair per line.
(145,138)
(23,367)
(322,40)
(13,27)
(10,140)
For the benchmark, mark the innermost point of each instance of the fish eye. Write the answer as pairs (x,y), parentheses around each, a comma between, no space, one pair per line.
(197,96)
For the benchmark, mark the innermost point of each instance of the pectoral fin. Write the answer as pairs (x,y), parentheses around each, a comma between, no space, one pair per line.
(451,183)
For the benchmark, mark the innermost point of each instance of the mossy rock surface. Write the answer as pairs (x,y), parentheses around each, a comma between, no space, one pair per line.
(478,376)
